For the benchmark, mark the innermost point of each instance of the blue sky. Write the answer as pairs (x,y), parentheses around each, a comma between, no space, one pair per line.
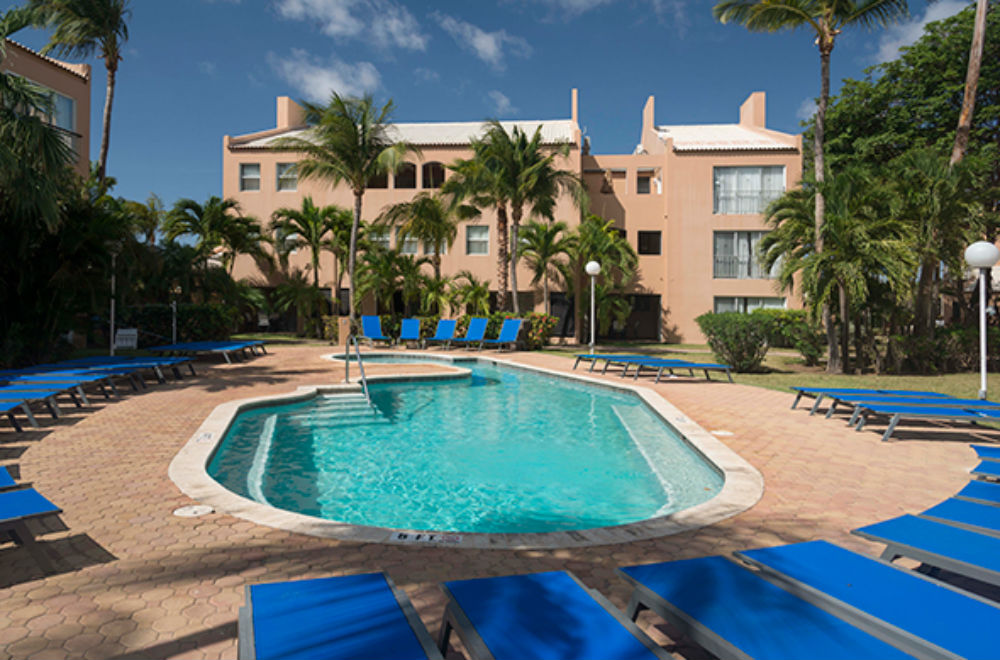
(195,70)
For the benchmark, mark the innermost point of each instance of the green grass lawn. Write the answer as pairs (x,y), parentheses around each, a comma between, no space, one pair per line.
(786,370)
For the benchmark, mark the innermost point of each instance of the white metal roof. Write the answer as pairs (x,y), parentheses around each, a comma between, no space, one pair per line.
(720,137)
(440,133)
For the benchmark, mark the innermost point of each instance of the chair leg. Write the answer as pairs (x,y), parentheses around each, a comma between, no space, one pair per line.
(22,536)
(892,427)
(14,422)
(635,607)
(444,633)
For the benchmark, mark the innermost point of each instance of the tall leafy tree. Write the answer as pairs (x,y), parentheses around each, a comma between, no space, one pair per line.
(348,142)
(216,223)
(971,83)
(147,217)
(81,28)
(472,293)
(380,276)
(431,219)
(541,245)
(596,239)
(309,227)
(826,19)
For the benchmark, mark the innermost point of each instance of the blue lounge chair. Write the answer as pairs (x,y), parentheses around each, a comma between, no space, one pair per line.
(544,615)
(6,481)
(592,358)
(16,508)
(8,408)
(669,365)
(475,333)
(858,402)
(819,393)
(939,545)
(371,330)
(917,614)
(734,613)
(410,331)
(509,331)
(896,413)
(986,492)
(444,333)
(355,616)
(28,395)
(987,452)
(974,516)
(987,470)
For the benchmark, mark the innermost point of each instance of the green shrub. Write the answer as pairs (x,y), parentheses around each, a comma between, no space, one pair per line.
(540,327)
(948,350)
(791,328)
(194,322)
(739,340)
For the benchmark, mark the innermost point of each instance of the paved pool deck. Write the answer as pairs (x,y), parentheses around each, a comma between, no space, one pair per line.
(135,581)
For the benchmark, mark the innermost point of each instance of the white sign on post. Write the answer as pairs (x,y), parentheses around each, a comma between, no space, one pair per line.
(127,338)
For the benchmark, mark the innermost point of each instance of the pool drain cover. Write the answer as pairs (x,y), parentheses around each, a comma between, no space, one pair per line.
(193,511)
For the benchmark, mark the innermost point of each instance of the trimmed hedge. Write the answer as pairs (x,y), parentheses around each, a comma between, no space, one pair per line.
(194,322)
(739,340)
(790,328)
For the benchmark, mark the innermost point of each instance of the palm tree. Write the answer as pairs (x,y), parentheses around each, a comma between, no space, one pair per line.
(866,248)
(540,245)
(82,27)
(473,293)
(532,180)
(430,219)
(34,158)
(297,293)
(437,294)
(147,217)
(215,224)
(596,239)
(308,227)
(348,142)
(241,235)
(827,19)
(971,83)
(411,280)
(379,275)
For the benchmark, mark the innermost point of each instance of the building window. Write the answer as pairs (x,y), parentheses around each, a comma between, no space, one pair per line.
(379,238)
(429,248)
(408,245)
(378,181)
(747,190)
(622,234)
(736,256)
(288,180)
(249,176)
(649,242)
(406,177)
(432,175)
(744,304)
(642,184)
(477,240)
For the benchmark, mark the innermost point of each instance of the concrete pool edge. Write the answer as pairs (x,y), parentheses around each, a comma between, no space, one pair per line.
(742,487)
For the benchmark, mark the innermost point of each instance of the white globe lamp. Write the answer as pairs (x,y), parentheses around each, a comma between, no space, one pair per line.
(593,269)
(982,255)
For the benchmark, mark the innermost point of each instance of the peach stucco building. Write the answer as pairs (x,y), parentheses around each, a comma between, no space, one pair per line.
(70,87)
(689,199)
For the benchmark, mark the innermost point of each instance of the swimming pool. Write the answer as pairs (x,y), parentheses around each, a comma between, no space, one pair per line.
(503,450)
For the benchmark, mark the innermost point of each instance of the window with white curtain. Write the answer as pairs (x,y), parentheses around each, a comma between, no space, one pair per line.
(477,240)
(746,190)
(408,245)
(744,304)
(736,256)
(249,176)
(429,248)
(379,238)
(288,180)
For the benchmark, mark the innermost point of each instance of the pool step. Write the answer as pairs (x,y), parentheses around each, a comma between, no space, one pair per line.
(650,439)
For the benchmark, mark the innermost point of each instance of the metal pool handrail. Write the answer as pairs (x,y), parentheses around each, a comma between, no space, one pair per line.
(361,367)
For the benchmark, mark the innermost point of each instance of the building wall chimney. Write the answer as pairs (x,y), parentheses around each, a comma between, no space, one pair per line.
(753,111)
(290,114)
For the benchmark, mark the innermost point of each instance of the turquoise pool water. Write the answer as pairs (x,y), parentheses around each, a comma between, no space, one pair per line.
(505,450)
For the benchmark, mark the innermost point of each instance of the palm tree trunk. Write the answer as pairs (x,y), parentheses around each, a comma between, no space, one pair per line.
(515,224)
(845,326)
(923,320)
(437,262)
(352,254)
(545,292)
(833,364)
(109,98)
(971,83)
(502,257)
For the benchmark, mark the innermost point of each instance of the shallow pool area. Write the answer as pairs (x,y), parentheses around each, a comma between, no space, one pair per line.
(498,450)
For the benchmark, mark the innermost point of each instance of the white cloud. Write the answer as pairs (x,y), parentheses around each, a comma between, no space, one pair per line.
(574,7)
(806,109)
(673,12)
(490,47)
(501,104)
(426,75)
(208,68)
(317,80)
(907,32)
(385,22)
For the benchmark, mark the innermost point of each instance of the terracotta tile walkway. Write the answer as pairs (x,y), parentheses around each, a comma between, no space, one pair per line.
(137,581)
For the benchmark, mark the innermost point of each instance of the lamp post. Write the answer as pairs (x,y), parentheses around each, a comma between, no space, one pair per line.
(174,291)
(114,258)
(982,255)
(593,269)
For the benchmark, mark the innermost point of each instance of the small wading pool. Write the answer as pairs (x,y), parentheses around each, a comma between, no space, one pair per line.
(502,450)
